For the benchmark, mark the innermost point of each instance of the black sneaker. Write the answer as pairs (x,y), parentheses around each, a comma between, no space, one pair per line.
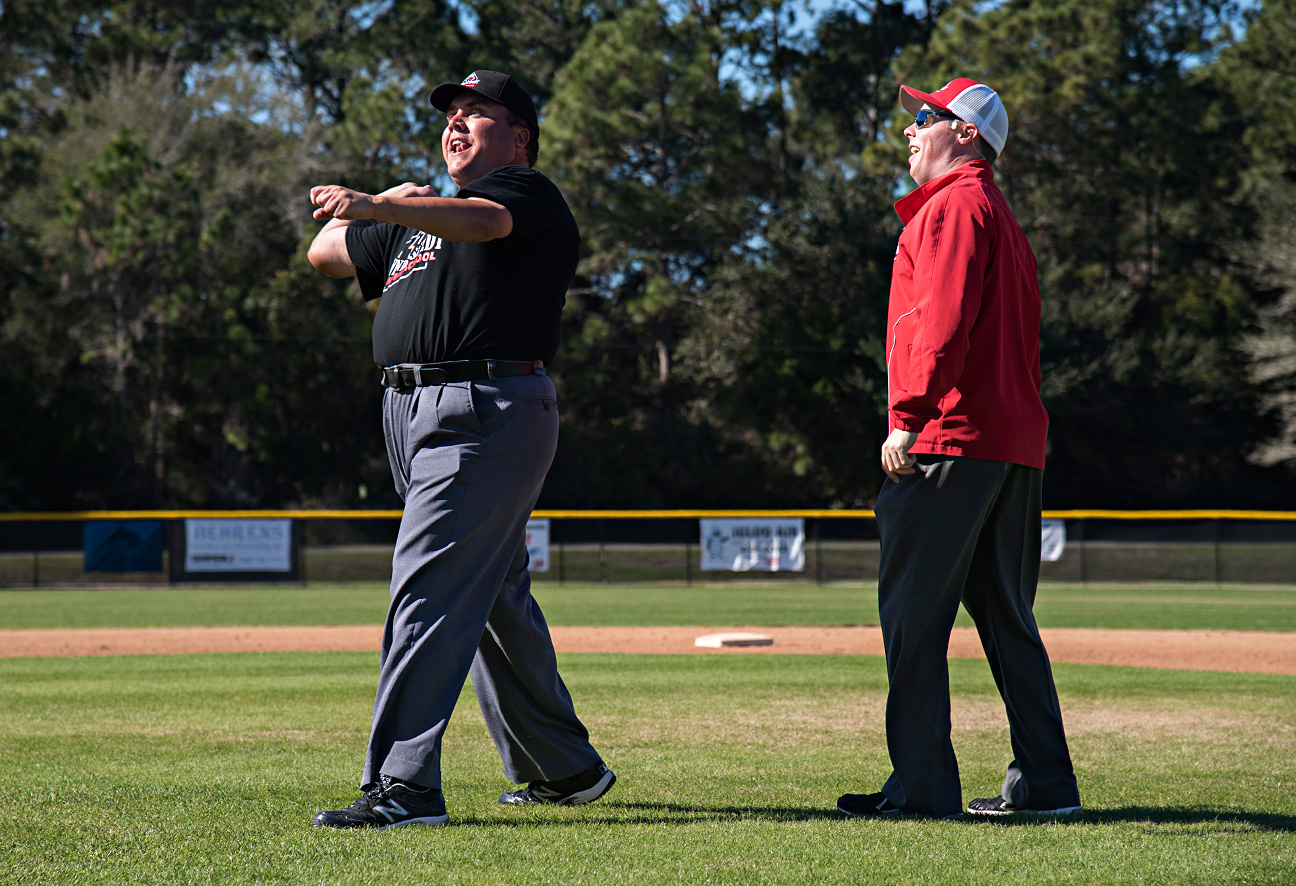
(388,804)
(867,805)
(578,790)
(1000,806)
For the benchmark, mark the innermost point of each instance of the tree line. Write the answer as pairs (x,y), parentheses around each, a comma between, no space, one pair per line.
(732,165)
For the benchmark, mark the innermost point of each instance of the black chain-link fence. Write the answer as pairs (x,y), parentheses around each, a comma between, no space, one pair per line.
(49,550)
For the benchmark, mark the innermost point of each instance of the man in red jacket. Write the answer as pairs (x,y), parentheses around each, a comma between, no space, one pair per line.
(960,517)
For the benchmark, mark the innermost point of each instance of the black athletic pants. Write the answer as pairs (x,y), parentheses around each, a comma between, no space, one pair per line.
(966,529)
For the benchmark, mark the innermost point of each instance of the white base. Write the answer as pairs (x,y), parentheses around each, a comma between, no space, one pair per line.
(716,641)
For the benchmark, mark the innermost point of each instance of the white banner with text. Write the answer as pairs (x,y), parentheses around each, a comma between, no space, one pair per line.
(1052,540)
(537,542)
(232,545)
(767,544)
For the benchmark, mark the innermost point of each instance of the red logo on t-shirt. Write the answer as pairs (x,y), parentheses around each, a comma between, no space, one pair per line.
(419,250)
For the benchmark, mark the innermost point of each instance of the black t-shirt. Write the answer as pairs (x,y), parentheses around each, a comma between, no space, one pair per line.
(499,300)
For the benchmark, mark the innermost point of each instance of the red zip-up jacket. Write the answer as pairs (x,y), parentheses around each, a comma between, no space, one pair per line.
(962,345)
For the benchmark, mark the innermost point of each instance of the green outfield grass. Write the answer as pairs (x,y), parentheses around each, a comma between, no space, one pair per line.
(207,769)
(1258,608)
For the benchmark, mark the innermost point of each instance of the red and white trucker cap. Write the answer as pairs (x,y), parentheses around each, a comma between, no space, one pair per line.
(973,102)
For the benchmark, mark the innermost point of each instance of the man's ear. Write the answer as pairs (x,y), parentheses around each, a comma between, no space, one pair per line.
(970,133)
(522,137)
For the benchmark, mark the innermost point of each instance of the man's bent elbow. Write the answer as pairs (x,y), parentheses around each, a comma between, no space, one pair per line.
(501,224)
(492,222)
(326,261)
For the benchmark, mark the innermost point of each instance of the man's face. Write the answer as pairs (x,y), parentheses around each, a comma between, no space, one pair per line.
(477,138)
(934,148)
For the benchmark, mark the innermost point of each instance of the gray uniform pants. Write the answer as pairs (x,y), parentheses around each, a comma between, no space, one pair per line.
(966,529)
(468,460)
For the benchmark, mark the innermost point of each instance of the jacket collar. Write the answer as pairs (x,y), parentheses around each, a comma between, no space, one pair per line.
(908,205)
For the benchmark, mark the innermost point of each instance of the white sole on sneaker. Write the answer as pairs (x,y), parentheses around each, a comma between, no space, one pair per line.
(998,809)
(1060,812)
(590,794)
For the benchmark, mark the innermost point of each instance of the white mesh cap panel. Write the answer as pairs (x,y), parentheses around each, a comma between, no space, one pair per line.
(980,104)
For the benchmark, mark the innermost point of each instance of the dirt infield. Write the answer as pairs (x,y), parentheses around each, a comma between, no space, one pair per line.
(1253,651)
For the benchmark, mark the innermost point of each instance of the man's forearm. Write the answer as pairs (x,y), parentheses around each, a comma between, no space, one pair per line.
(335,223)
(463,221)
(471,220)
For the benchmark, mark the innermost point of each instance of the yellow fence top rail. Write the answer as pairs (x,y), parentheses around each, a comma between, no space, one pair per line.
(38,516)
(395,514)
(195,514)
(622,515)
(1171,515)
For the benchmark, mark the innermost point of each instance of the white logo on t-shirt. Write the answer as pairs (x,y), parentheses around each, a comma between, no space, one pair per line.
(419,250)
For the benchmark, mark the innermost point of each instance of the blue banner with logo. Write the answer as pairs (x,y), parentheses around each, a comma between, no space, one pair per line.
(123,545)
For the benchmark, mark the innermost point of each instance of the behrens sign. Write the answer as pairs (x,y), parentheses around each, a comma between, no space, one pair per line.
(745,545)
(231,545)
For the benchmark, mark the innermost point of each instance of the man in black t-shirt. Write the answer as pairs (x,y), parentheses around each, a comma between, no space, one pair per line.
(472,288)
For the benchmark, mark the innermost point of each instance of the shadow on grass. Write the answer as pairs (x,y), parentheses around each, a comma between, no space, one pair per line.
(1269,821)
(765,813)
(659,813)
(677,813)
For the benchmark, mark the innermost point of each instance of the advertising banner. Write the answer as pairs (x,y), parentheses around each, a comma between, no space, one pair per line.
(234,545)
(1052,540)
(537,542)
(123,545)
(766,544)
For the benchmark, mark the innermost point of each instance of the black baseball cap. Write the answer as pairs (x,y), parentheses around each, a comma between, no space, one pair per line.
(495,86)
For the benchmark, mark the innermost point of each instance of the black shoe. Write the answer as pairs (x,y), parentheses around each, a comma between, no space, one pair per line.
(388,804)
(578,790)
(867,805)
(1000,806)
(878,806)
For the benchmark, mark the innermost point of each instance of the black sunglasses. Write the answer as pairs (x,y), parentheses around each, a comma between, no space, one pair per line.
(928,116)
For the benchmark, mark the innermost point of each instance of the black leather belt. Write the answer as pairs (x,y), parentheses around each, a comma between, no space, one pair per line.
(418,375)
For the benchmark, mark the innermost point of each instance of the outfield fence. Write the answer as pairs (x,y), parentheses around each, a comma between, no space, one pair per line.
(622,546)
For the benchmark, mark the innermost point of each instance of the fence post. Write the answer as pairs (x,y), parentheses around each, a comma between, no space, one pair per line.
(297,531)
(175,548)
(602,555)
(1080,524)
(1215,525)
(818,555)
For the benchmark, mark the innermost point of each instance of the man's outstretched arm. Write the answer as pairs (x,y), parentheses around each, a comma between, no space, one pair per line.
(474,220)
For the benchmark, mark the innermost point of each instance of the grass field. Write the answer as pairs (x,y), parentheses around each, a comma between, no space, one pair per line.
(1246,608)
(207,768)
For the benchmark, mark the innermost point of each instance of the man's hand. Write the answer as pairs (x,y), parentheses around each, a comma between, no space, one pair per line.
(335,201)
(896,459)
